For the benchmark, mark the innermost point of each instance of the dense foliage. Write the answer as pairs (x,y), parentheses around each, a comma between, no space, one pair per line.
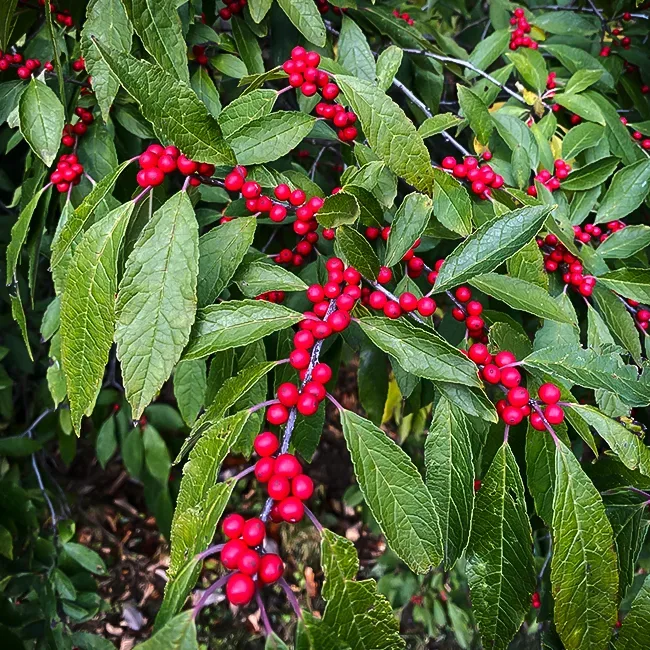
(210,209)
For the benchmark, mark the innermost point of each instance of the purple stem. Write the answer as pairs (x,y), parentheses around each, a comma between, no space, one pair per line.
(334,401)
(548,426)
(263,405)
(185,184)
(506,433)
(634,489)
(211,550)
(312,517)
(244,472)
(291,597)
(142,194)
(208,592)
(265,617)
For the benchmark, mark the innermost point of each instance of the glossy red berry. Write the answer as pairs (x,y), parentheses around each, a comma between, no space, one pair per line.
(233,526)
(240,588)
(392,309)
(321,373)
(287,465)
(463,294)
(291,509)
(253,532)
(408,301)
(264,469)
(288,395)
(510,377)
(385,275)
(271,568)
(249,562)
(299,359)
(426,306)
(231,553)
(250,189)
(554,414)
(478,353)
(491,373)
(277,414)
(512,415)
(549,393)
(504,358)
(307,404)
(536,422)
(518,396)
(278,487)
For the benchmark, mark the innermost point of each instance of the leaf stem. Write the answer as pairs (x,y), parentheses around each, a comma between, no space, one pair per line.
(211,550)
(548,426)
(265,617)
(312,516)
(291,597)
(334,401)
(263,405)
(217,584)
(392,296)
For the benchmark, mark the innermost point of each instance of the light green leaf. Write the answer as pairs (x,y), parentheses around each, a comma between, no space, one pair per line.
(635,633)
(388,63)
(235,323)
(221,251)
(178,634)
(354,53)
(156,303)
(356,251)
(106,443)
(190,384)
(631,283)
(172,107)
(395,493)
(246,109)
(158,25)
(476,112)
(270,137)
(567,23)
(306,18)
(581,137)
(205,90)
(88,310)
(584,574)
(18,314)
(500,566)
(625,242)
(521,295)
(574,59)
(591,175)
(247,45)
(421,352)
(259,9)
(390,133)
(407,226)
(530,64)
(488,50)
(10,92)
(85,557)
(518,137)
(450,476)
(581,105)
(492,244)
(229,65)
(338,209)
(626,192)
(42,118)
(438,123)
(582,79)
(452,206)
(528,264)
(106,20)
(313,634)
(259,276)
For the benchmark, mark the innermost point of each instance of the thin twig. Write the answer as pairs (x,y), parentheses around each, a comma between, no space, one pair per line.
(208,592)
(387,293)
(265,617)
(291,597)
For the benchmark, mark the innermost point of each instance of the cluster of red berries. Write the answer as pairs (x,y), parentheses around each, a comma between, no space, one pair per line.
(403,16)
(239,555)
(482,178)
(78,65)
(24,69)
(324,6)
(519,36)
(558,258)
(644,143)
(282,473)
(551,181)
(199,54)
(68,172)
(157,161)
(467,311)
(590,233)
(535,600)
(232,8)
(414,264)
(624,42)
(72,131)
(640,312)
(407,302)
(499,370)
(303,72)
(62,16)
(271,296)
(551,84)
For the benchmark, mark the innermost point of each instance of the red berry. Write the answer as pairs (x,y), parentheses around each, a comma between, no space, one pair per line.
(339,320)
(474,323)
(288,395)
(291,509)
(554,414)
(282,192)
(518,396)
(232,526)
(385,275)
(302,487)
(297,197)
(154,176)
(536,421)
(249,562)
(512,415)
(408,301)
(463,294)
(392,309)
(316,389)
(271,568)
(287,465)
(321,330)
(426,306)
(330,91)
(504,358)
(264,469)
(278,487)
(186,166)
(307,404)
(478,353)
(345,302)
(549,393)
(253,532)
(277,414)
(250,189)
(321,373)
(510,377)
(449,162)
(231,553)
(240,588)
(491,374)
(377,300)
(303,340)
(299,359)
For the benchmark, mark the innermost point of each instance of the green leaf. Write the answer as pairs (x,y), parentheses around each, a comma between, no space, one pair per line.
(631,283)
(221,251)
(528,264)
(190,384)
(178,634)
(591,175)
(592,370)
(156,303)
(388,63)
(421,352)
(8,18)
(18,314)
(41,120)
(246,109)
(492,244)
(522,295)
(631,449)
(172,107)
(407,226)
(85,557)
(88,310)
(567,23)
(540,471)
(390,133)
(158,25)
(476,112)
(450,476)
(205,90)
(156,455)
(500,566)
(247,45)
(581,105)
(106,20)
(354,53)
(627,191)
(531,66)
(259,9)
(106,443)
(19,233)
(518,137)
(582,79)
(438,123)
(229,65)
(584,574)
(306,18)
(395,493)
(634,633)
(78,219)
(10,92)
(355,612)
(338,209)
(625,242)
(581,137)
(260,276)
(452,206)
(356,251)
(313,634)
(574,59)
(270,137)
(97,151)
(488,50)
(235,323)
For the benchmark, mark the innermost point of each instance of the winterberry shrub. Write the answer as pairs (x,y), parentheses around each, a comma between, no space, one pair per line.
(211,209)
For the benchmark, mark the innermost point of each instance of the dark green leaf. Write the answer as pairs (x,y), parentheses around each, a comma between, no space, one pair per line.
(591,175)
(356,251)
(626,192)
(625,242)
(339,209)
(407,226)
(451,203)
(631,283)
(306,18)
(354,53)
